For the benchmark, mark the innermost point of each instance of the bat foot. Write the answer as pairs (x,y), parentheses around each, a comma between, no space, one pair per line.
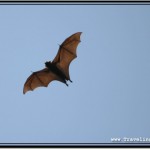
(70,81)
(66,84)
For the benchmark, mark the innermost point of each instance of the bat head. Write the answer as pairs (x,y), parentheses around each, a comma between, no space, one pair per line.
(48,63)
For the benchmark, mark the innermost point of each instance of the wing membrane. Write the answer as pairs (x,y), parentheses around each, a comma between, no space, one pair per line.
(40,79)
(67,52)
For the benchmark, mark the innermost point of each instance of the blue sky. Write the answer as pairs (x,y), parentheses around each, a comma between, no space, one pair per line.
(110,93)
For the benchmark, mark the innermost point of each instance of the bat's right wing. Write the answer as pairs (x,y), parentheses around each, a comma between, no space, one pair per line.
(40,79)
(67,53)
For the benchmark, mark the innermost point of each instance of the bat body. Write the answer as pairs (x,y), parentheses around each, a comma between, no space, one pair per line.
(58,69)
(52,67)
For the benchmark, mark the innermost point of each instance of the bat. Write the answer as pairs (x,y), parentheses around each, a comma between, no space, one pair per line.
(58,69)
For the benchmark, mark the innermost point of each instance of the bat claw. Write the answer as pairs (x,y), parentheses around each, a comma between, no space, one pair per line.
(70,81)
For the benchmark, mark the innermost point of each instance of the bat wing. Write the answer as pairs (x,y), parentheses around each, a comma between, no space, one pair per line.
(40,79)
(66,53)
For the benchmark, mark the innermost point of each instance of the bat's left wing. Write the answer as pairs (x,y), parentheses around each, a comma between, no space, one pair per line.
(66,53)
(40,79)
